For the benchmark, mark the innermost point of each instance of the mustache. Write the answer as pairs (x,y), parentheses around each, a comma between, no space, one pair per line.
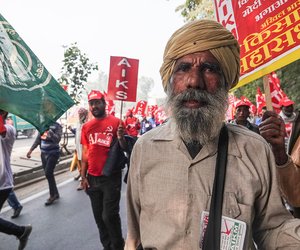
(95,109)
(97,112)
(203,97)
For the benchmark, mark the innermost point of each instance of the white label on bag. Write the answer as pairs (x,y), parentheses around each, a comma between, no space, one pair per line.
(233,232)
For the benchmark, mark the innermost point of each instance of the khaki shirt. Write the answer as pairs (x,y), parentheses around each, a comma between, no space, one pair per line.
(288,176)
(168,191)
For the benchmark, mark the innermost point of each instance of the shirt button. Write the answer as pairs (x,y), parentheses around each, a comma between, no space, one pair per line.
(187,232)
(190,199)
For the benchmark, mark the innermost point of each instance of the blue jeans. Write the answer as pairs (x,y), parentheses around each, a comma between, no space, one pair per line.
(13,200)
(49,162)
(105,194)
(8,227)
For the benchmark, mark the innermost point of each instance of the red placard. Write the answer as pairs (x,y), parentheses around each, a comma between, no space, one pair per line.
(123,76)
(276,92)
(110,105)
(260,101)
(140,108)
(268,32)
(230,111)
(151,110)
(160,115)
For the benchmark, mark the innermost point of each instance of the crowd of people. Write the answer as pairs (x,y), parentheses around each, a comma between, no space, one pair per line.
(190,176)
(139,125)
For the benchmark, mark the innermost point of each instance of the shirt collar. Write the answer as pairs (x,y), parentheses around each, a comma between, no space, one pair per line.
(168,132)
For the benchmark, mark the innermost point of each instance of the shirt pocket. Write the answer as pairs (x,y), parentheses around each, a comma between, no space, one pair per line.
(233,209)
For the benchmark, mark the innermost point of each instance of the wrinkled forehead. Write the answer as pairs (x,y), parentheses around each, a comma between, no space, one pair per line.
(197,58)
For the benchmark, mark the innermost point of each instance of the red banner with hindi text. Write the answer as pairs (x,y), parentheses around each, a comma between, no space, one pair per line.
(268,32)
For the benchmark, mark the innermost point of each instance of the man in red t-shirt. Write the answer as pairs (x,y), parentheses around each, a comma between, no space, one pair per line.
(99,138)
(132,124)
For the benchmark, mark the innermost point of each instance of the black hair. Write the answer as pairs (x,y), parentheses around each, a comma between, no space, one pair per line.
(4,112)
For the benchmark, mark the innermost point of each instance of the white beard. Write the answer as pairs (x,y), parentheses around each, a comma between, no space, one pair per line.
(203,124)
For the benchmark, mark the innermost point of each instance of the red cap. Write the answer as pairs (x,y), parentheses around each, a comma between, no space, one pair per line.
(95,94)
(285,102)
(242,103)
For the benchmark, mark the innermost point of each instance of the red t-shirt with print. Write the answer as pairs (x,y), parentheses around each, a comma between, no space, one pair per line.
(132,126)
(98,135)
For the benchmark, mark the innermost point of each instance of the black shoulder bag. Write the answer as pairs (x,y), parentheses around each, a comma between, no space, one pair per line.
(213,231)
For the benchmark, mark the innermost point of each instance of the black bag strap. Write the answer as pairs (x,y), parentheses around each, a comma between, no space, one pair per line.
(213,231)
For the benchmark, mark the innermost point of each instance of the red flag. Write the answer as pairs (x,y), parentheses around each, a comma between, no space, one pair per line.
(160,115)
(123,75)
(230,111)
(151,110)
(276,92)
(110,105)
(260,101)
(65,87)
(140,108)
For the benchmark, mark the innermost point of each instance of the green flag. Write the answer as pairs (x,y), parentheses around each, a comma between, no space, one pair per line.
(27,89)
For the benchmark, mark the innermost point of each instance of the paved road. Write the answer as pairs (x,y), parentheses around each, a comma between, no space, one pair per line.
(66,225)
(21,164)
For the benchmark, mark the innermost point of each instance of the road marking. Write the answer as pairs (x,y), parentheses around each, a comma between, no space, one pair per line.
(37,195)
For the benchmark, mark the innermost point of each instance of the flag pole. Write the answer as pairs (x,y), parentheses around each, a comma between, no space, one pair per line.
(121,110)
(267,91)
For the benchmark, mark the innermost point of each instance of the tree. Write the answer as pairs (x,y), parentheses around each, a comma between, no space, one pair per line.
(289,82)
(195,9)
(75,71)
(145,85)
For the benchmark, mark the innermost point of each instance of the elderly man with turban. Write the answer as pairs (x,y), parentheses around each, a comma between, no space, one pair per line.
(82,119)
(194,182)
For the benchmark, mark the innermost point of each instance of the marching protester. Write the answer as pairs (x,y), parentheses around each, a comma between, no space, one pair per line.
(242,113)
(273,130)
(103,143)
(288,115)
(145,126)
(50,152)
(15,204)
(82,118)
(260,115)
(7,139)
(132,124)
(198,172)
(152,120)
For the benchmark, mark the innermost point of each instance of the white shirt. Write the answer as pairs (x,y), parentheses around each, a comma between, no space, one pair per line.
(6,144)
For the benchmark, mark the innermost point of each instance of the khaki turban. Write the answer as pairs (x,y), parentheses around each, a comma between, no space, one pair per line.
(202,35)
